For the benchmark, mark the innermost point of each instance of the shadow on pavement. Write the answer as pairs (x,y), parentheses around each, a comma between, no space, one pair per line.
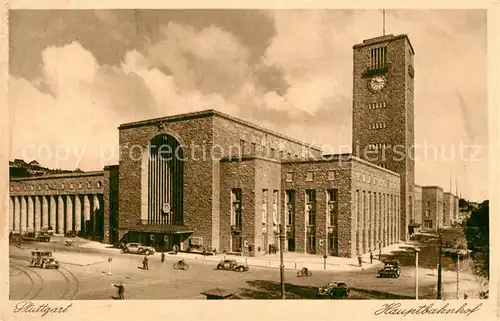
(260,289)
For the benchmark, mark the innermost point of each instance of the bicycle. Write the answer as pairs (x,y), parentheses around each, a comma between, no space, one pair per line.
(181,265)
(304,272)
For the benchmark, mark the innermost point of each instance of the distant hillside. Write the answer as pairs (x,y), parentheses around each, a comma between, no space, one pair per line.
(19,169)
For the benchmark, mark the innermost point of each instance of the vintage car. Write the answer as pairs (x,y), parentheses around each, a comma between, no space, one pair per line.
(390,270)
(36,236)
(232,265)
(43,259)
(138,248)
(333,290)
(70,234)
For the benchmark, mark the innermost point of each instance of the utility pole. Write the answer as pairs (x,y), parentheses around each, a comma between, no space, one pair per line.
(439,265)
(416,272)
(458,274)
(282,266)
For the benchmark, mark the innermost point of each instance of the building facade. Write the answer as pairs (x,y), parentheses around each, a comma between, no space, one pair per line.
(433,208)
(207,180)
(383,112)
(80,202)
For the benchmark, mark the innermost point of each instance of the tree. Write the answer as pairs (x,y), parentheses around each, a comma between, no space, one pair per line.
(477,232)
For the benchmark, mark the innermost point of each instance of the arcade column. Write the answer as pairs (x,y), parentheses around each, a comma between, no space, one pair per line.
(60,214)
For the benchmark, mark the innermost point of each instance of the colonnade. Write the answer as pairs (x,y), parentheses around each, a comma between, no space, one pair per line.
(63,213)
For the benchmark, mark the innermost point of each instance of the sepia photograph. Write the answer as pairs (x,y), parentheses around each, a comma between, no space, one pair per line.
(248,154)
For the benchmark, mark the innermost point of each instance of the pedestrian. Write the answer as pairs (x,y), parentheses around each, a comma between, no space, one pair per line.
(371,257)
(465,296)
(162,257)
(121,289)
(360,261)
(145,265)
(380,253)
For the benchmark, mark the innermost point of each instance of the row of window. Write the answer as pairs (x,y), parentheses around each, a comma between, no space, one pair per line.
(377,146)
(272,153)
(331,176)
(367,178)
(378,105)
(376,207)
(378,57)
(378,125)
(309,207)
(31,187)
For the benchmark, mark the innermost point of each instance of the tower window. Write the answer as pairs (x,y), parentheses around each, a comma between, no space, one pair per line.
(378,58)
(310,176)
(289,177)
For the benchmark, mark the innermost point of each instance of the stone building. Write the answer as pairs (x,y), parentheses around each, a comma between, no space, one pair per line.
(433,209)
(449,209)
(80,202)
(209,180)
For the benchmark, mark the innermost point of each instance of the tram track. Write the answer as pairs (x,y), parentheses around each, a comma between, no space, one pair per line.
(72,284)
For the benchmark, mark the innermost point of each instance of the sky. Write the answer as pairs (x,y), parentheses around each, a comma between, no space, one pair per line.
(75,76)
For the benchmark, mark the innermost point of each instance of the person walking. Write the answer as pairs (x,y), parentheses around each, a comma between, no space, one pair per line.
(121,290)
(145,264)
(360,261)
(371,257)
(162,257)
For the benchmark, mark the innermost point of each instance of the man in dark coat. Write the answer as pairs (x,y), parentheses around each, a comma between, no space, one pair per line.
(162,257)
(145,265)
(121,289)
(371,257)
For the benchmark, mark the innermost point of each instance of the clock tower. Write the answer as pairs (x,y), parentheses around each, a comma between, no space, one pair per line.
(383,114)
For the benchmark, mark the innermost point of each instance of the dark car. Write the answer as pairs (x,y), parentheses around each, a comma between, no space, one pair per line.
(43,259)
(232,265)
(333,290)
(36,236)
(390,270)
(70,234)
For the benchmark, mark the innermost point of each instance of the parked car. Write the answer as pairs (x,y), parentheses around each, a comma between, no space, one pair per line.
(391,269)
(232,265)
(70,234)
(333,290)
(43,259)
(36,236)
(138,248)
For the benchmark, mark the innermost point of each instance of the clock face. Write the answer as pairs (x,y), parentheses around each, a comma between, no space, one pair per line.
(377,83)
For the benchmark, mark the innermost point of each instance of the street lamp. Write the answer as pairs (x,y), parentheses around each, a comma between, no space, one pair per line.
(416,272)
(282,266)
(380,250)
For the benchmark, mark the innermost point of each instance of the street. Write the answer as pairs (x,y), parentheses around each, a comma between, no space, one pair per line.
(83,276)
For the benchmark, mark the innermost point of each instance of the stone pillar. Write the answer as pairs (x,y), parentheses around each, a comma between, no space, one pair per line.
(60,214)
(17,215)
(96,206)
(31,215)
(69,213)
(78,214)
(12,224)
(38,213)
(365,221)
(45,211)
(24,214)
(86,212)
(53,212)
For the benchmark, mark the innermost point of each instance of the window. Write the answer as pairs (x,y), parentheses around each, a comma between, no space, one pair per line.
(333,207)
(331,175)
(311,207)
(264,206)
(253,149)
(242,147)
(264,151)
(378,57)
(275,207)
(272,153)
(236,207)
(46,186)
(289,177)
(282,154)
(289,155)
(89,185)
(62,186)
(378,105)
(70,185)
(428,203)
(80,185)
(428,223)
(427,213)
(310,176)
(290,208)
(99,184)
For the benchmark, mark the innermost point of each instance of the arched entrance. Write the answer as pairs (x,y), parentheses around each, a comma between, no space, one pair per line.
(165,181)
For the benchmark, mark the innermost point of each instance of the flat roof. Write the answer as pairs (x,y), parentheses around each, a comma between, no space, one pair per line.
(65,175)
(390,37)
(209,113)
